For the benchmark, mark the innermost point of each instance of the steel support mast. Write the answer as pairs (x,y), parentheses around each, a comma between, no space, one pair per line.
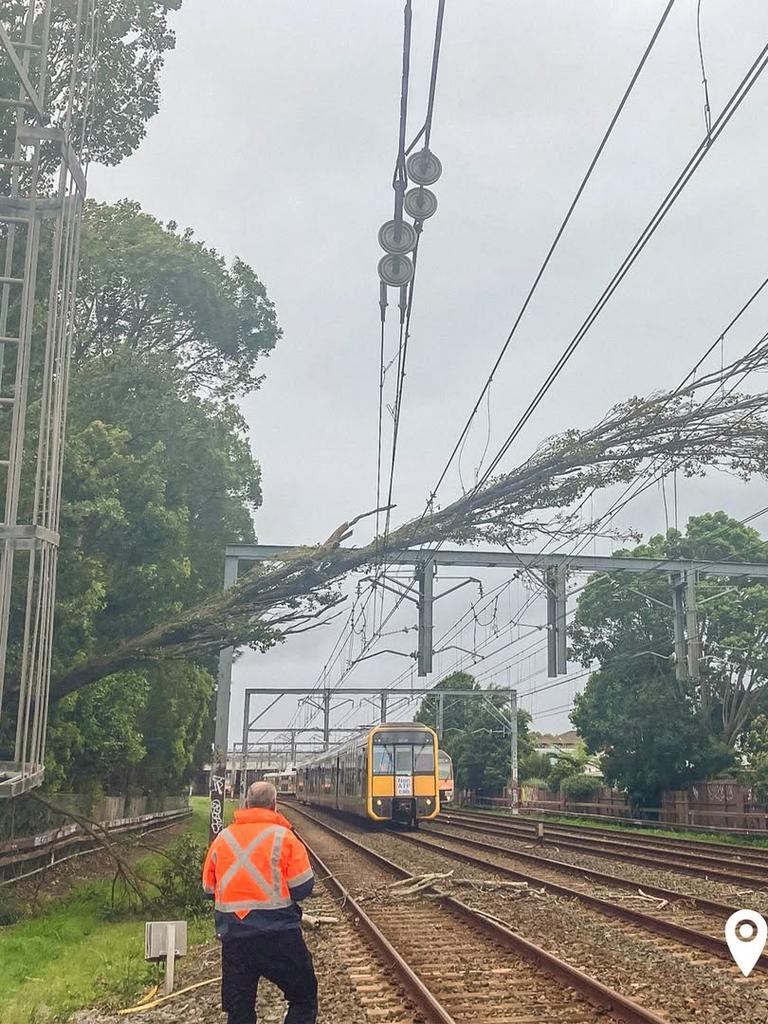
(42,190)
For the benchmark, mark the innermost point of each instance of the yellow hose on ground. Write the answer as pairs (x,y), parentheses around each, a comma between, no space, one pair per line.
(149,995)
(141,1007)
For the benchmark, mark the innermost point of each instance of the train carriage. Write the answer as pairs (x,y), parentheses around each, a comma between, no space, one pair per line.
(284,782)
(388,773)
(447,782)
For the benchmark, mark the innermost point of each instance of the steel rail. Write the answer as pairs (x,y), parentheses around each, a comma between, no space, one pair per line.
(86,845)
(409,979)
(594,991)
(699,902)
(680,933)
(620,852)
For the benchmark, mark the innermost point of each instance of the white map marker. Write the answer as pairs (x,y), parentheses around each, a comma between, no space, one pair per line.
(745,933)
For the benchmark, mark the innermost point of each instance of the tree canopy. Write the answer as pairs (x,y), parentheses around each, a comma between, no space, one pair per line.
(158,478)
(656,731)
(133,39)
(152,291)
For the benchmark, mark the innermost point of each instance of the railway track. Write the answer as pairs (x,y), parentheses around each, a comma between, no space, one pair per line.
(692,923)
(459,964)
(31,855)
(736,871)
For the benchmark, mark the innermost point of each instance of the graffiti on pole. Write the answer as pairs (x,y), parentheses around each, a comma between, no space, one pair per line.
(218,778)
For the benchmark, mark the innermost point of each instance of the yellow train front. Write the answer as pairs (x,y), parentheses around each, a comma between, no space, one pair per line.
(387,774)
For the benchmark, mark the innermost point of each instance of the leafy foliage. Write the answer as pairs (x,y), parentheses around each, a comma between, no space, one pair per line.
(180,889)
(567,766)
(655,731)
(148,290)
(268,604)
(625,624)
(579,787)
(755,747)
(133,38)
(649,736)
(158,479)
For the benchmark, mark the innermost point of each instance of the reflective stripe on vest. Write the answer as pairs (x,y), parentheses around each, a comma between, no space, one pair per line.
(272,889)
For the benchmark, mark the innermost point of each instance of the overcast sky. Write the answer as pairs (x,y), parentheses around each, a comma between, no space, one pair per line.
(276,140)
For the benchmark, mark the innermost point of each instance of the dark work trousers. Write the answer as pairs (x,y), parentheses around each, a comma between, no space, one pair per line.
(280,956)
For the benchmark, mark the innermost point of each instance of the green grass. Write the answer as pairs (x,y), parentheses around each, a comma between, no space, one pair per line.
(615,826)
(74,954)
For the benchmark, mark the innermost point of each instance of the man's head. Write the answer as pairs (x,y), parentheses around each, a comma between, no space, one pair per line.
(261,794)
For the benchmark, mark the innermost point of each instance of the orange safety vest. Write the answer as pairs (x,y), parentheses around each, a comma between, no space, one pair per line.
(255,863)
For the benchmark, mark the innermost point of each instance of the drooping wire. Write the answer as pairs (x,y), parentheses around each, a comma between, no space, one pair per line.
(707,109)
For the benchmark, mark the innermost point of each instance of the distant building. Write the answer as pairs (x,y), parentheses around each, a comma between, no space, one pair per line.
(554,745)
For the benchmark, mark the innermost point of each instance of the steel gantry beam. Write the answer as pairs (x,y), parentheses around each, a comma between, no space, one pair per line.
(467,558)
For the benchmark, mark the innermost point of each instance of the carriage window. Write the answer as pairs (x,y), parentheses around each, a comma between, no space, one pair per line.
(445,769)
(403,760)
(424,759)
(383,760)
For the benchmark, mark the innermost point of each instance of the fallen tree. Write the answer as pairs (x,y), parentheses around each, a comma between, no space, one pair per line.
(695,428)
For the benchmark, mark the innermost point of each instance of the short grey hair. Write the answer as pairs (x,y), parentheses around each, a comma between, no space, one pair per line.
(261,794)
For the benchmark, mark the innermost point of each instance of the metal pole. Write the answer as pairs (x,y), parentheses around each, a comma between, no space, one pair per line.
(440,710)
(551,584)
(513,751)
(244,749)
(692,629)
(221,733)
(561,612)
(326,718)
(383,699)
(425,575)
(681,661)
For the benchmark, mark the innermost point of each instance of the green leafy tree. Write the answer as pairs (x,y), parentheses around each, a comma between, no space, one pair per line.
(133,39)
(159,476)
(474,733)
(153,292)
(755,748)
(567,765)
(649,737)
(624,622)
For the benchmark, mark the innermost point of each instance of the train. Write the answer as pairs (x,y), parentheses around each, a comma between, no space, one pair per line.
(284,782)
(385,774)
(445,772)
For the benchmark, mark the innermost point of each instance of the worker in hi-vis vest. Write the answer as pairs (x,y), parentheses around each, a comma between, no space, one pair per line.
(256,871)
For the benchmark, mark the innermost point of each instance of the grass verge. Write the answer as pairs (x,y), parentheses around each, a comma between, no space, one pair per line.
(74,953)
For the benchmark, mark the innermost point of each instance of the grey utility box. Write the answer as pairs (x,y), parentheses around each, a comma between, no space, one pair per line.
(156,939)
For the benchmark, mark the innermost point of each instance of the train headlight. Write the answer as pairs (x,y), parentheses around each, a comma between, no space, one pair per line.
(378,803)
(429,803)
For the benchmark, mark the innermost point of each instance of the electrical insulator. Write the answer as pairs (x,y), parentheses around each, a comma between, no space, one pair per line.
(420,203)
(395,270)
(423,167)
(397,238)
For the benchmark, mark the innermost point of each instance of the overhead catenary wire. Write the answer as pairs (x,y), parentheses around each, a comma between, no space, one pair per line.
(558,236)
(556,240)
(718,126)
(739,95)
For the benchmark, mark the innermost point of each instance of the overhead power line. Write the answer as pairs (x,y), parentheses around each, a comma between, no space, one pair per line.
(718,126)
(556,240)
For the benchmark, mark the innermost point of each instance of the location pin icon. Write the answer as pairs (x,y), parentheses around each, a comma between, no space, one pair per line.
(745,933)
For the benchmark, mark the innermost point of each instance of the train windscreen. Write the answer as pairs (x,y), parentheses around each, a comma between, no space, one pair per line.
(403,753)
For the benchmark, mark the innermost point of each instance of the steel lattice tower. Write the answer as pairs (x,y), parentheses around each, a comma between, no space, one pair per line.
(43,117)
